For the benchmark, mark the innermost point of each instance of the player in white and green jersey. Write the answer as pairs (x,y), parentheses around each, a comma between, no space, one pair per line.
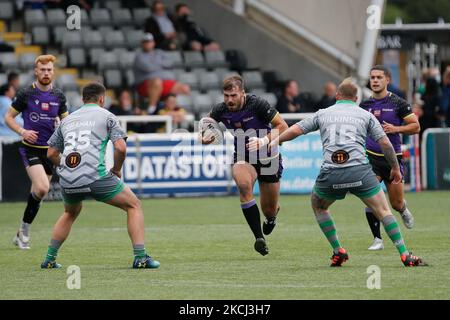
(77,149)
(343,129)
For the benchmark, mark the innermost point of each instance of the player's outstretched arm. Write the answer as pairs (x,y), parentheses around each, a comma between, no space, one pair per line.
(411,126)
(54,156)
(120,150)
(391,158)
(293,132)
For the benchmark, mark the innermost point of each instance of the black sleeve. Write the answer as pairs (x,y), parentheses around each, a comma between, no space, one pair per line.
(62,104)
(403,108)
(264,111)
(20,101)
(217,112)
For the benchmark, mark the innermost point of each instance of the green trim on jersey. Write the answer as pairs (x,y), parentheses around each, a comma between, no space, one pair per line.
(345,101)
(101,169)
(90,105)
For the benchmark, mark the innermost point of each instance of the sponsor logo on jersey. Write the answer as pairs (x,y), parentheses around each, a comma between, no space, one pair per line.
(248,119)
(45,106)
(54,103)
(390,110)
(34,117)
(377,113)
(340,157)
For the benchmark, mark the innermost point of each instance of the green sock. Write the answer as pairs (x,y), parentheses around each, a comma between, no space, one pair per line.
(392,229)
(139,251)
(326,223)
(53,248)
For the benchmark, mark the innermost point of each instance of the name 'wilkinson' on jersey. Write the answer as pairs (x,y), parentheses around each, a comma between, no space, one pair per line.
(343,119)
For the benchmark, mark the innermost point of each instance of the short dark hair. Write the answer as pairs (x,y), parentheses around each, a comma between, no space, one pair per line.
(380,67)
(180,5)
(12,76)
(233,81)
(4,88)
(154,4)
(93,91)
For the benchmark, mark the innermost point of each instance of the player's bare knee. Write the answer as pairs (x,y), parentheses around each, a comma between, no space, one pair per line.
(245,189)
(41,190)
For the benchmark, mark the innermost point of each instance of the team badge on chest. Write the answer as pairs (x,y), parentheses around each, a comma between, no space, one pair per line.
(45,106)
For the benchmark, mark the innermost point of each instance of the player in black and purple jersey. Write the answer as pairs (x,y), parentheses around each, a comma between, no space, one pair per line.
(396,117)
(42,106)
(252,122)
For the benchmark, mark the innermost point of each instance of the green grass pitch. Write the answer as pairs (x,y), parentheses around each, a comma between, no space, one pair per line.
(206,252)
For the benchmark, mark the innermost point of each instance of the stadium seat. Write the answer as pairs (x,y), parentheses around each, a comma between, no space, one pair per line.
(26,61)
(113,78)
(121,17)
(126,59)
(215,59)
(74,100)
(129,78)
(175,58)
(95,54)
(77,57)
(188,78)
(9,61)
(58,34)
(35,18)
(92,38)
(66,82)
(6,10)
(115,39)
(40,35)
(56,17)
(112,4)
(104,30)
(193,59)
(209,81)
(270,97)
(140,15)
(202,103)
(100,17)
(253,80)
(72,39)
(85,21)
(185,102)
(25,79)
(108,60)
(216,96)
(133,39)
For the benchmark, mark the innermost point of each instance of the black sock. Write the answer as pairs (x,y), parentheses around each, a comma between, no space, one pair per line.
(374,224)
(251,214)
(32,208)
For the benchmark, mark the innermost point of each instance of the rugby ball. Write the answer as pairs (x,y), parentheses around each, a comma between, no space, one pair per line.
(209,127)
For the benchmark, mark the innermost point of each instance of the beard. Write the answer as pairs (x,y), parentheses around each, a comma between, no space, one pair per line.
(45,81)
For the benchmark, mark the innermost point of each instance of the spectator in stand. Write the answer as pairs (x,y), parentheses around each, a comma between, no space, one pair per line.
(161,25)
(13,79)
(292,102)
(7,93)
(328,99)
(445,101)
(431,107)
(124,107)
(195,37)
(171,108)
(152,80)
